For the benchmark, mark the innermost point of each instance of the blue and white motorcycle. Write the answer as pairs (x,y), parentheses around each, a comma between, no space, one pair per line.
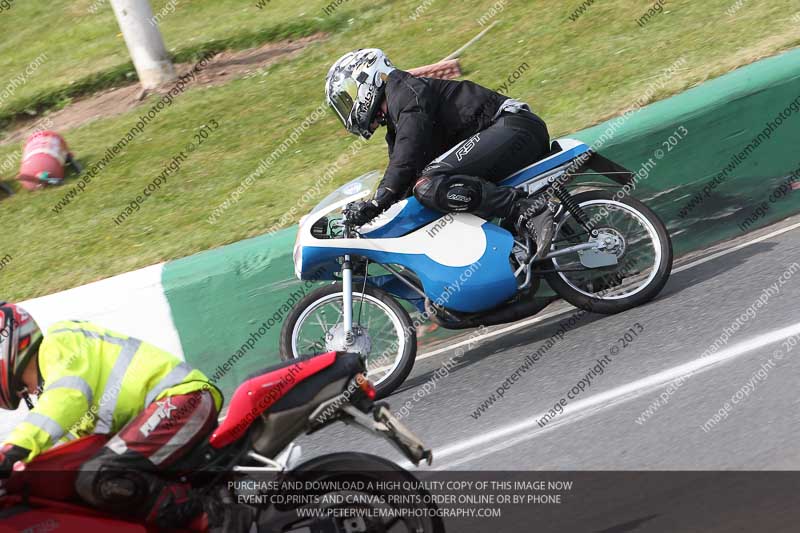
(609,253)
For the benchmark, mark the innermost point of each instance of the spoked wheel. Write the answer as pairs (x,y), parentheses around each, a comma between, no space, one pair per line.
(383,332)
(633,233)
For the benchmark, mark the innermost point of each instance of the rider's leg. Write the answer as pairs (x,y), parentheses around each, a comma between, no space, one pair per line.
(463,179)
(462,193)
(123,478)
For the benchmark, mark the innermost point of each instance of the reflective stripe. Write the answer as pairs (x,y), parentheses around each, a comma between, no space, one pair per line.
(46,424)
(117,445)
(91,335)
(73,382)
(188,431)
(174,377)
(108,401)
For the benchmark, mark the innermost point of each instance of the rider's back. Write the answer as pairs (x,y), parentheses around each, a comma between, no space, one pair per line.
(96,381)
(457,109)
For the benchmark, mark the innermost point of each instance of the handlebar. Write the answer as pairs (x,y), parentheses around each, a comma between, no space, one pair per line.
(347,224)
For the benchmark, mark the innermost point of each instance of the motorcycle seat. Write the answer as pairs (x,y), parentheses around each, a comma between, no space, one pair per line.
(279,365)
(560,153)
(345,367)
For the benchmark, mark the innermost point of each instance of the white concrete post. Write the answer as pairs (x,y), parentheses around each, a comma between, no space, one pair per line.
(144,41)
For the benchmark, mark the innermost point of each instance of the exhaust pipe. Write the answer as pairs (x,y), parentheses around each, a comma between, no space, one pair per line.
(502,314)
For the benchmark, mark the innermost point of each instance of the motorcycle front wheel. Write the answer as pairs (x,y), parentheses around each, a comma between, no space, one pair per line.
(384,333)
(643,249)
(362,493)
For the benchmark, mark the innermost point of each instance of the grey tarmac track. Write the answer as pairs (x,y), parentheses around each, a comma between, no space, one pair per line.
(759,433)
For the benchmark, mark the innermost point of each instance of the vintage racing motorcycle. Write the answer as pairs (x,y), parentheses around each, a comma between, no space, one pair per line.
(609,253)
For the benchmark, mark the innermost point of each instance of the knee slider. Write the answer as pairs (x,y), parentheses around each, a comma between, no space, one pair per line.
(86,481)
(448,193)
(112,488)
(462,195)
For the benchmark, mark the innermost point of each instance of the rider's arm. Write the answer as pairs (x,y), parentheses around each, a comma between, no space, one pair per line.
(409,106)
(65,401)
(390,139)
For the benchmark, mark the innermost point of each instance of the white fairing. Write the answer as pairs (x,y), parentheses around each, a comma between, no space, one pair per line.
(384,218)
(454,240)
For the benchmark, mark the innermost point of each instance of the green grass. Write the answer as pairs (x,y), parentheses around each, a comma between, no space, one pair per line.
(89,54)
(579,73)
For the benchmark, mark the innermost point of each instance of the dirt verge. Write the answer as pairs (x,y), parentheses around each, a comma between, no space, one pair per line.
(220,69)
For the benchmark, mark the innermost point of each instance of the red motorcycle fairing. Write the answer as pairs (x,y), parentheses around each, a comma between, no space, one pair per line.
(42,496)
(42,520)
(52,474)
(259,393)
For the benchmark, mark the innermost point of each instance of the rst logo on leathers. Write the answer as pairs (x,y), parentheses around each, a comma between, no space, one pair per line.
(163,412)
(468,145)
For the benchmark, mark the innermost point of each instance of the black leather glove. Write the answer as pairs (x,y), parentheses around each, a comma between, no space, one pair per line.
(359,213)
(10,454)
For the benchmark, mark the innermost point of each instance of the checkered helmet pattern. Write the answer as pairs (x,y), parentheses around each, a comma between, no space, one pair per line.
(354,88)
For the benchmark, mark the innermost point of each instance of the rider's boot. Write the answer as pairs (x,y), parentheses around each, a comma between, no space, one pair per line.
(203,511)
(225,516)
(533,216)
(175,507)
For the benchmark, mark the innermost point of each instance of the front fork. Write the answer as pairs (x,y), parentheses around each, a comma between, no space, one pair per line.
(347,299)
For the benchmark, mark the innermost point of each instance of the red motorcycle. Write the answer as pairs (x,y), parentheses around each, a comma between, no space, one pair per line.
(249,459)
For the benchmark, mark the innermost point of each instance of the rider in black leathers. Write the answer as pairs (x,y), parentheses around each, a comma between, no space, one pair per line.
(449,142)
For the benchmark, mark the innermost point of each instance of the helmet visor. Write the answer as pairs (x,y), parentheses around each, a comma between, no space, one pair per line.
(6,325)
(8,397)
(342,99)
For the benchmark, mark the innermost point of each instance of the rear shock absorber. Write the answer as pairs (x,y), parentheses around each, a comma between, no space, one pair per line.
(574,207)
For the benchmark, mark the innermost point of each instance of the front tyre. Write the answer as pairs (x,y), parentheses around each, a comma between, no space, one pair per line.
(384,333)
(643,250)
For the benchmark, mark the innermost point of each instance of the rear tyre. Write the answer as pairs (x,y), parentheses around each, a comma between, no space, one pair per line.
(644,260)
(347,470)
(387,337)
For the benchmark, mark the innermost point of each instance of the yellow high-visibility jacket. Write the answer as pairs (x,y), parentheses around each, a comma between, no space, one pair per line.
(96,381)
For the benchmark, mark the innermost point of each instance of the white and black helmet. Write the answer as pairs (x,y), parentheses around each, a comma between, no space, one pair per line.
(354,88)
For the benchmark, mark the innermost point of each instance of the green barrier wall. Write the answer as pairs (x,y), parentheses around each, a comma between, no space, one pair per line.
(722,117)
(221,298)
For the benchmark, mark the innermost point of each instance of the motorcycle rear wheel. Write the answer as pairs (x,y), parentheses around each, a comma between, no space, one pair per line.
(352,468)
(644,260)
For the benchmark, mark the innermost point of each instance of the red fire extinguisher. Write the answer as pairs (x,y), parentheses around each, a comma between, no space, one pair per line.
(43,160)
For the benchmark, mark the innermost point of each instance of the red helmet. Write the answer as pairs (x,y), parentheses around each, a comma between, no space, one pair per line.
(20,338)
